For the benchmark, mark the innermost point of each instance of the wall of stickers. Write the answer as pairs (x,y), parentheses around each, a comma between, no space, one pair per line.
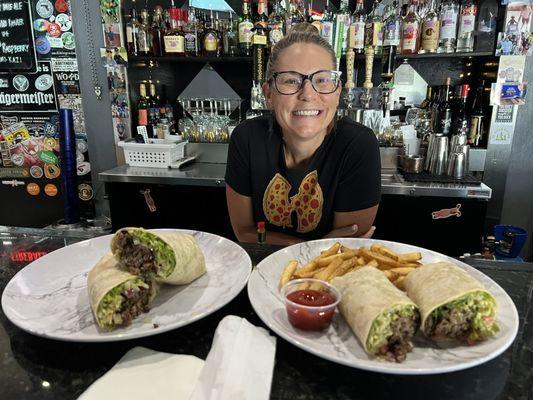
(30,170)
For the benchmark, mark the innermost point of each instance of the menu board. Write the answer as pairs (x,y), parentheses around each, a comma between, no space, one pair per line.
(17,52)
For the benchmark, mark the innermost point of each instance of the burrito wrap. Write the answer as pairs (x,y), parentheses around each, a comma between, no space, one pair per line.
(183,261)
(366,294)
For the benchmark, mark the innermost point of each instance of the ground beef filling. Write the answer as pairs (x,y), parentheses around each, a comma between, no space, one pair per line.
(134,303)
(455,324)
(138,259)
(399,343)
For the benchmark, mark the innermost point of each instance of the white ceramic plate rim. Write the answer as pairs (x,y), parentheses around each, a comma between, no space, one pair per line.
(126,333)
(373,365)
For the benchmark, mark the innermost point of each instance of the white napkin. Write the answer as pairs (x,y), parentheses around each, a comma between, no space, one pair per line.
(147,374)
(240,364)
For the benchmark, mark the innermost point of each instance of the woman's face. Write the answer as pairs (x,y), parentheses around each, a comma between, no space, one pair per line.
(306,114)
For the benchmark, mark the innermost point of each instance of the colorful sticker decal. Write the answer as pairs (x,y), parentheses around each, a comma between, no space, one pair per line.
(15,133)
(81,145)
(68,40)
(21,83)
(50,190)
(51,171)
(64,22)
(83,168)
(54,30)
(79,157)
(41,25)
(56,42)
(62,6)
(447,212)
(112,35)
(48,157)
(13,183)
(36,172)
(44,82)
(50,129)
(33,189)
(14,172)
(44,8)
(50,144)
(109,9)
(42,45)
(85,192)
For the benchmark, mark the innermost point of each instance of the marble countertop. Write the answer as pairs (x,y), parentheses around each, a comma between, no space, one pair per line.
(37,368)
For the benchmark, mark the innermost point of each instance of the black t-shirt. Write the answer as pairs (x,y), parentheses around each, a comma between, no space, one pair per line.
(344,174)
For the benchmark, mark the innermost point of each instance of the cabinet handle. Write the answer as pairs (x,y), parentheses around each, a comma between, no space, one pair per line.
(149,200)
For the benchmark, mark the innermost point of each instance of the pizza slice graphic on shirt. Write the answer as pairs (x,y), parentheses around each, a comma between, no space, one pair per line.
(276,205)
(308,203)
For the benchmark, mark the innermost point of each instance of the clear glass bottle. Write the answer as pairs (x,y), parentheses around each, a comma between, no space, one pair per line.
(328,25)
(467,23)
(486,26)
(392,26)
(357,28)
(374,30)
(191,34)
(410,42)
(144,37)
(429,36)
(230,38)
(449,14)
(275,24)
(157,31)
(343,17)
(132,33)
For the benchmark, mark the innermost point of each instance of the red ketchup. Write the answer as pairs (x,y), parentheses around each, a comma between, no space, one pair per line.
(315,316)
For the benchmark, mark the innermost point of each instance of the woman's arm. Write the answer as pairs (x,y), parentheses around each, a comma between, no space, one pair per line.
(242,221)
(344,222)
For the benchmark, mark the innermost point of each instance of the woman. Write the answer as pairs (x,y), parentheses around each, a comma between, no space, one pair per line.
(304,173)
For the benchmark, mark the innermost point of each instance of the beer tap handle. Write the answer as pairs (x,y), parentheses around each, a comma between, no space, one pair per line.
(350,60)
(369,61)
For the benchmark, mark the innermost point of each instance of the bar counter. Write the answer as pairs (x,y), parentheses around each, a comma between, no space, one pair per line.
(38,368)
(212,175)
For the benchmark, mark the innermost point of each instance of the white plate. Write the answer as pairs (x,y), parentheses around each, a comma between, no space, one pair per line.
(49,296)
(340,345)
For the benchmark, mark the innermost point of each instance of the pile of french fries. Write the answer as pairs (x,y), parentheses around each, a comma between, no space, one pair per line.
(339,260)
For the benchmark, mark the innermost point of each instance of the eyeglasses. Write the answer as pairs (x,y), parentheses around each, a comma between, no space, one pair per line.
(290,82)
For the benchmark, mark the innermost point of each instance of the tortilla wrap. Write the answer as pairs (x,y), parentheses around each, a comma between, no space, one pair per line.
(434,285)
(103,278)
(366,295)
(178,258)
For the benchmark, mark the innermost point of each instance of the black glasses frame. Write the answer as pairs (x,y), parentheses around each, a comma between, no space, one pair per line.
(304,77)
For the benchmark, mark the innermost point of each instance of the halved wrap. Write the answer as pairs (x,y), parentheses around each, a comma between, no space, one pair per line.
(116,296)
(381,316)
(170,257)
(453,305)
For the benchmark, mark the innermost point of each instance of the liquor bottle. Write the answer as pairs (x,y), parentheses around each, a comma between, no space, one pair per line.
(153,107)
(430,30)
(132,33)
(201,19)
(157,31)
(294,15)
(467,23)
(427,102)
(374,30)
(410,42)
(434,110)
(174,39)
(314,18)
(142,106)
(328,25)
(357,28)
(486,26)
(262,14)
(275,24)
(144,36)
(448,26)
(461,119)
(444,113)
(191,34)
(230,38)
(392,27)
(477,136)
(343,16)
(210,39)
(245,29)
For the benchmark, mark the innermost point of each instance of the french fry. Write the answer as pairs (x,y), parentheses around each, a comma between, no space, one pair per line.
(400,282)
(309,267)
(331,251)
(391,276)
(346,266)
(410,257)
(389,253)
(324,274)
(402,270)
(371,263)
(328,260)
(361,261)
(309,274)
(345,249)
(384,262)
(287,273)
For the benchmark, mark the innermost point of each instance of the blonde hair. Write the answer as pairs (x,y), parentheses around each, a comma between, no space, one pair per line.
(300,33)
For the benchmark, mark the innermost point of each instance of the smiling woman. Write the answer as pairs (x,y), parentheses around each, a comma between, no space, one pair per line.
(302,171)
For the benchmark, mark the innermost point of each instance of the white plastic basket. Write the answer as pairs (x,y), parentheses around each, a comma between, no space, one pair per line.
(158,153)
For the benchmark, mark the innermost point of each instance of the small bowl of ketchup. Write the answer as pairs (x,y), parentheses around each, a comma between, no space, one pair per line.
(310,303)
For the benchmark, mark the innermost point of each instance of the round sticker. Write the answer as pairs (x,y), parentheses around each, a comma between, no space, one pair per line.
(61,6)
(17,159)
(42,45)
(51,171)
(81,145)
(33,189)
(64,22)
(83,168)
(68,40)
(50,144)
(79,157)
(36,171)
(21,83)
(44,82)
(44,8)
(40,25)
(85,192)
(54,30)
(50,189)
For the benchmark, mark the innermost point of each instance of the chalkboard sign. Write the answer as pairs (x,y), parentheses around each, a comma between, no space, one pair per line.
(17,51)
